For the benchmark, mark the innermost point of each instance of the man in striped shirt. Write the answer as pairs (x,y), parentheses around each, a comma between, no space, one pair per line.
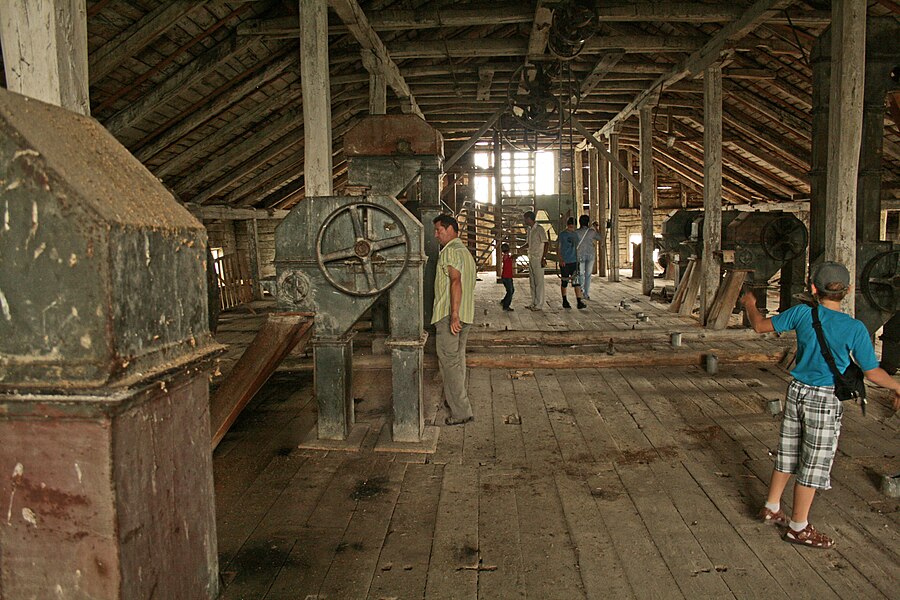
(454,311)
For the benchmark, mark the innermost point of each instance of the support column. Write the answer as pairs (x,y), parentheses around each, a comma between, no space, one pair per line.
(316,97)
(253,251)
(578,184)
(602,212)
(712,188)
(845,123)
(377,83)
(498,201)
(648,190)
(429,208)
(45,51)
(613,210)
(333,358)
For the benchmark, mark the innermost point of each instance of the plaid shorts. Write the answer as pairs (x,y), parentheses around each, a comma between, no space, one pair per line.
(809,434)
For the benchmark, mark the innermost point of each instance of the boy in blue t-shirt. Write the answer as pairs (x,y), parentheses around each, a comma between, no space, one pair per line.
(568,264)
(812,413)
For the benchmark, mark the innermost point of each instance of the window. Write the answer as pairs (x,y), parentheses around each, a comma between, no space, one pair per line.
(522,175)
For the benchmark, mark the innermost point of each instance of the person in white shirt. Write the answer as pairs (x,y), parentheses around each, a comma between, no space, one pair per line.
(537,243)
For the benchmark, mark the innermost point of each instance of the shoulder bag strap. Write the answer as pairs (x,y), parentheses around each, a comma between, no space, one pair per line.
(581,241)
(823,345)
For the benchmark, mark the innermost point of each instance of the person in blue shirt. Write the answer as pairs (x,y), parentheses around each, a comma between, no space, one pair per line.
(812,415)
(568,263)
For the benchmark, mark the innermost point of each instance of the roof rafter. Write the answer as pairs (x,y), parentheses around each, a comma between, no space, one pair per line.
(705,56)
(355,19)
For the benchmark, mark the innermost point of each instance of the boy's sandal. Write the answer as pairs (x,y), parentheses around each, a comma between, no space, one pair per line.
(808,536)
(778,518)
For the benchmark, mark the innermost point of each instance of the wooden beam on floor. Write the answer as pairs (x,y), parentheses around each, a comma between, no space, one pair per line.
(280,334)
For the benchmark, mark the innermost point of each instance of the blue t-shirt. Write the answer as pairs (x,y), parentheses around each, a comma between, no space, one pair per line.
(844,334)
(568,242)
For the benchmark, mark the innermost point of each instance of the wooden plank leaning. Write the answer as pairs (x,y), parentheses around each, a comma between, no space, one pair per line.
(280,334)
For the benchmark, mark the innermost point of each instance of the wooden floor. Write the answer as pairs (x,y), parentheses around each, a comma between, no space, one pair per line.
(578,483)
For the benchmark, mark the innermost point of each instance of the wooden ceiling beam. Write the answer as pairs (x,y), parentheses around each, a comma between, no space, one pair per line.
(341,122)
(601,70)
(513,14)
(710,52)
(630,44)
(698,12)
(355,19)
(176,84)
(540,32)
(141,34)
(277,128)
(221,138)
(215,106)
(693,173)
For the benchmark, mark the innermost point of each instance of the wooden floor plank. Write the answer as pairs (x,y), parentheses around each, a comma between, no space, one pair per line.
(646,571)
(351,571)
(403,563)
(696,575)
(452,572)
(478,443)
(572,445)
(548,554)
(509,443)
(601,569)
(541,446)
(594,428)
(743,572)
(501,569)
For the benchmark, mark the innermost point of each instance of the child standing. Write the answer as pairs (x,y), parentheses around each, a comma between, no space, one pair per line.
(812,414)
(506,273)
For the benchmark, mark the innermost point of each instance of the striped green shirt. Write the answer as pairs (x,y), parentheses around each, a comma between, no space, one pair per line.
(455,255)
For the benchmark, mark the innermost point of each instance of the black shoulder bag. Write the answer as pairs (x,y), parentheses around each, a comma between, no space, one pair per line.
(849,385)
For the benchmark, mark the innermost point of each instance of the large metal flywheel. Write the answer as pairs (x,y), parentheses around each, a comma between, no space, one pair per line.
(785,238)
(362,249)
(880,281)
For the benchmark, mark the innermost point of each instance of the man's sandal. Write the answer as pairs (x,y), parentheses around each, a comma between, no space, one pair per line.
(778,518)
(808,536)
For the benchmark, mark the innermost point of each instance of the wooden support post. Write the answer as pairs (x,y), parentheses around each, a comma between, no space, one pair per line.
(317,165)
(613,210)
(845,124)
(602,212)
(498,200)
(578,183)
(253,250)
(377,83)
(45,52)
(648,191)
(712,188)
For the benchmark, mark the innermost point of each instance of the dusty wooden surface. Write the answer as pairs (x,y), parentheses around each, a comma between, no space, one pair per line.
(580,483)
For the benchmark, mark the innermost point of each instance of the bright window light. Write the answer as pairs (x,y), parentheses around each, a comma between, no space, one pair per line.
(483,160)
(545,174)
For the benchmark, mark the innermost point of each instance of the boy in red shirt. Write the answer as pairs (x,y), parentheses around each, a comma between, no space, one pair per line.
(506,273)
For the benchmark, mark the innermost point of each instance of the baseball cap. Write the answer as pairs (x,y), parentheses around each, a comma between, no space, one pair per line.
(830,272)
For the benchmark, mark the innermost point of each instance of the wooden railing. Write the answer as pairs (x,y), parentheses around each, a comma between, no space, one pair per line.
(235,284)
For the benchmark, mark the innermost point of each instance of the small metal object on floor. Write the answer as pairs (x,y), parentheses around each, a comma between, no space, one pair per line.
(774,406)
(890,485)
(675,339)
(712,364)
